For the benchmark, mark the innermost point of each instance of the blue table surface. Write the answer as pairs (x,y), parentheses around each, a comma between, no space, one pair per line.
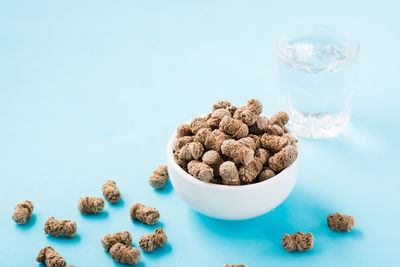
(92,90)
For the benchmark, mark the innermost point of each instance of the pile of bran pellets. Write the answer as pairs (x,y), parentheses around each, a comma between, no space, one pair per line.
(235,145)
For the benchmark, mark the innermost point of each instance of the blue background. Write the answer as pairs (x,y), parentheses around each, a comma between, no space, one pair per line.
(92,90)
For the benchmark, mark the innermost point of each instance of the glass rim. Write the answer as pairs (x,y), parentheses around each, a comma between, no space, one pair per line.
(354,40)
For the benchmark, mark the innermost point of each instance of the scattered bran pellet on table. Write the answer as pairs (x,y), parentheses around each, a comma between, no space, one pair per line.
(298,242)
(159,177)
(91,205)
(154,240)
(22,212)
(111,192)
(340,222)
(144,214)
(58,228)
(51,258)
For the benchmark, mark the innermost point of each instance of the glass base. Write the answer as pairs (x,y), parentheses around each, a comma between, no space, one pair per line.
(317,125)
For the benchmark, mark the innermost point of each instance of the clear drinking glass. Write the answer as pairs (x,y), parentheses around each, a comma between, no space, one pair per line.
(315,81)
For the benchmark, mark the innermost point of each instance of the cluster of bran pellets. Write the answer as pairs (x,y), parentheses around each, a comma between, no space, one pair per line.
(119,245)
(235,145)
(304,242)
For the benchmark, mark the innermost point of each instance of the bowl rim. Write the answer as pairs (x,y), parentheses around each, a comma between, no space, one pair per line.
(192,179)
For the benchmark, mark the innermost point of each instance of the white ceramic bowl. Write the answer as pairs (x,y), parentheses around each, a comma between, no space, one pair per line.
(230,202)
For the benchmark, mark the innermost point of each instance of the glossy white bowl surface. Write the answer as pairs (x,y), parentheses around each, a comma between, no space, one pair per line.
(230,202)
